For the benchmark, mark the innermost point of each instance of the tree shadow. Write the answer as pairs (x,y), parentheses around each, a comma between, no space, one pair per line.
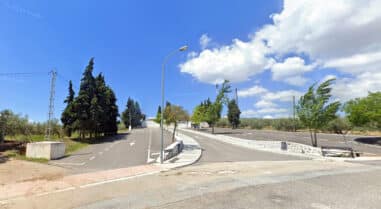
(101,140)
(3,159)
(369,140)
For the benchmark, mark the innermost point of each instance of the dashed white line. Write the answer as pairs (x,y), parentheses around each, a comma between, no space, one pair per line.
(132,143)
(100,153)
(92,158)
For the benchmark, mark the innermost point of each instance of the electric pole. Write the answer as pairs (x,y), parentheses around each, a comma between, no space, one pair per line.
(293,112)
(53,73)
(236,96)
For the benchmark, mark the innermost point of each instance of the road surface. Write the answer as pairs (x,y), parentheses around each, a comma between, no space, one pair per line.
(300,137)
(123,150)
(216,151)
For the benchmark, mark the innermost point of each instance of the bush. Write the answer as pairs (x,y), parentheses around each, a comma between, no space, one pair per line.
(338,126)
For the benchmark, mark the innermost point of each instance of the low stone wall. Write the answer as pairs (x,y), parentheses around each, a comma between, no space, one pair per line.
(273,146)
(173,149)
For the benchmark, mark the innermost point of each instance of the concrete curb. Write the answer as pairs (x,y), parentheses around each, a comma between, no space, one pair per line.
(268,146)
(189,155)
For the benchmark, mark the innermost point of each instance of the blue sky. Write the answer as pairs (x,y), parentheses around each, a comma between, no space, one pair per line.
(275,55)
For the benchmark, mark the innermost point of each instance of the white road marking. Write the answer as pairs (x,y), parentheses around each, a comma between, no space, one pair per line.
(100,153)
(58,163)
(120,179)
(92,158)
(56,191)
(106,149)
(149,159)
(132,143)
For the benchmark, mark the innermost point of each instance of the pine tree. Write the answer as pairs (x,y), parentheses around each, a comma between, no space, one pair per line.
(68,115)
(233,113)
(85,104)
(158,115)
(132,114)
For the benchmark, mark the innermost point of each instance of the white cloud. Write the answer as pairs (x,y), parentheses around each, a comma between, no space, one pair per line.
(204,41)
(236,62)
(255,90)
(349,88)
(264,104)
(339,34)
(291,70)
(249,114)
(283,96)
(272,110)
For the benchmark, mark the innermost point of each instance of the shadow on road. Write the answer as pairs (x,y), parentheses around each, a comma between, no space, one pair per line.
(101,140)
(369,140)
(3,159)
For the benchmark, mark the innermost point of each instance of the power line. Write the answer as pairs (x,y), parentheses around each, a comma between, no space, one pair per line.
(53,73)
(22,74)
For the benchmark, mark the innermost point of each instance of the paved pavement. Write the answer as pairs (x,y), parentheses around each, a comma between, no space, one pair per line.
(300,137)
(124,150)
(216,151)
(270,184)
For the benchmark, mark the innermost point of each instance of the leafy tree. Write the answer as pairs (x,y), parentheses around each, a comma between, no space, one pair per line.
(158,115)
(174,114)
(12,124)
(213,112)
(365,111)
(132,114)
(68,115)
(199,112)
(233,114)
(314,109)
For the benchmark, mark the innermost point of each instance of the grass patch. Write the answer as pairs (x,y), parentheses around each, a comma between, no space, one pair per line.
(74,145)
(16,155)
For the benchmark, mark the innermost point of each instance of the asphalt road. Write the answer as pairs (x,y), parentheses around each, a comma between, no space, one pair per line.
(216,151)
(123,150)
(301,137)
(243,185)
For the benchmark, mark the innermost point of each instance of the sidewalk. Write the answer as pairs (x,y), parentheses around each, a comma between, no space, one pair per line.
(33,183)
(191,153)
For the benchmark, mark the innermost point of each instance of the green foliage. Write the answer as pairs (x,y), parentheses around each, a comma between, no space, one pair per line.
(94,110)
(285,124)
(365,111)
(314,109)
(158,115)
(174,114)
(233,113)
(211,112)
(132,114)
(339,126)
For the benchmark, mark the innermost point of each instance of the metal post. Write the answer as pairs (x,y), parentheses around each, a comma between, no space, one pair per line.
(162,115)
(162,99)
(130,126)
(51,105)
(293,112)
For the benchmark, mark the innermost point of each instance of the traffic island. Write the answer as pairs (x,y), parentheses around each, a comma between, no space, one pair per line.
(49,150)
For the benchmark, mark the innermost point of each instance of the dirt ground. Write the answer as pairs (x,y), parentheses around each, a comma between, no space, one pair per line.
(15,171)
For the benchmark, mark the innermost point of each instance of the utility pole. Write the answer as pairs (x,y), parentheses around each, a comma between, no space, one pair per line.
(130,126)
(236,96)
(293,112)
(53,73)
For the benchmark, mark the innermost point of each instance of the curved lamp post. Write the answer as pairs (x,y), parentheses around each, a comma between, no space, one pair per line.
(181,49)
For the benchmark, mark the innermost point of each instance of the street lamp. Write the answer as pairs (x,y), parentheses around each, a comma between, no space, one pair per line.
(181,49)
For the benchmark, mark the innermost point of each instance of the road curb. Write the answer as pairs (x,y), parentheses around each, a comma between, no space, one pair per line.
(189,155)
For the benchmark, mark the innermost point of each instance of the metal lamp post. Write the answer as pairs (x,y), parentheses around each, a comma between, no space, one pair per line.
(181,49)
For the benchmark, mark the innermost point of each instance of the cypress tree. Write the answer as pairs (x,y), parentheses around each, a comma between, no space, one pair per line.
(68,115)
(233,113)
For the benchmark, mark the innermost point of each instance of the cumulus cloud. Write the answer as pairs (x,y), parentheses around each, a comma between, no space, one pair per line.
(264,104)
(341,34)
(291,71)
(249,114)
(252,91)
(204,41)
(236,62)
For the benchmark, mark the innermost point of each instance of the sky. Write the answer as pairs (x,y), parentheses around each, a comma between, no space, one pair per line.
(269,50)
